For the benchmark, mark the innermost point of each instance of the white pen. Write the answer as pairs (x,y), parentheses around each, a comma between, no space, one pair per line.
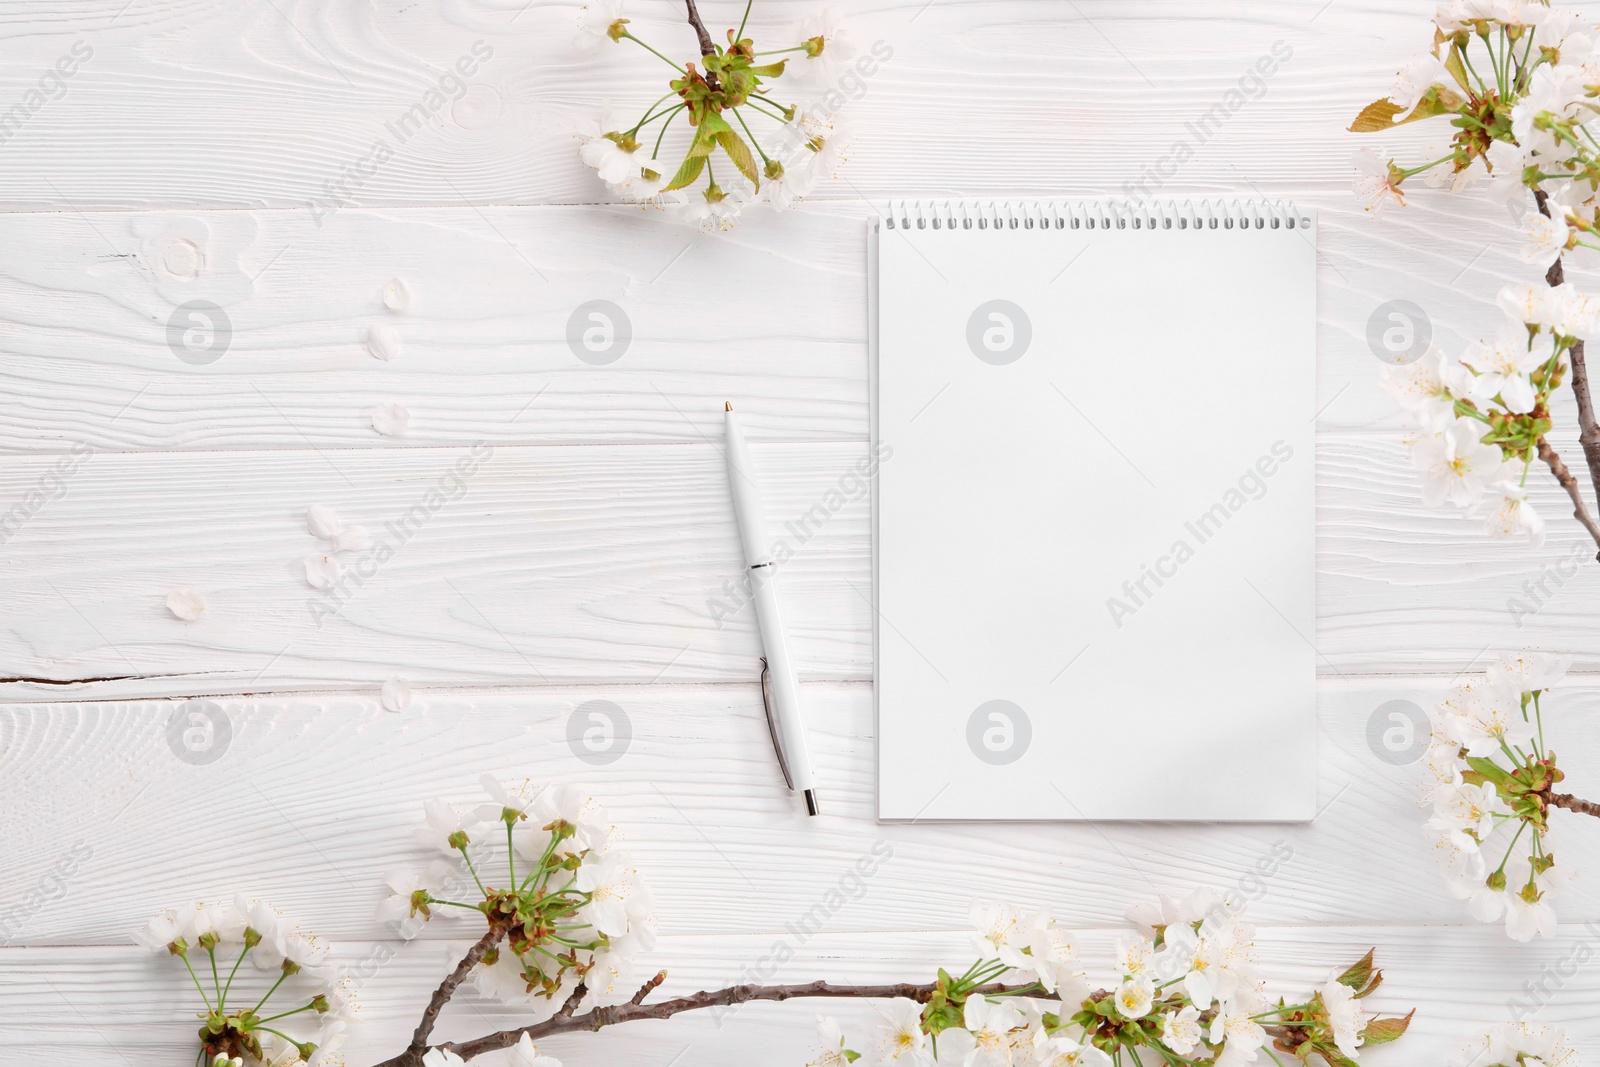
(779,691)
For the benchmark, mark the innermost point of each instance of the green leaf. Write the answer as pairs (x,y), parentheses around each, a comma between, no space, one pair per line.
(1385,114)
(699,149)
(690,170)
(1491,771)
(1378,115)
(1372,986)
(1457,69)
(1383,1031)
(770,70)
(713,123)
(739,152)
(1359,973)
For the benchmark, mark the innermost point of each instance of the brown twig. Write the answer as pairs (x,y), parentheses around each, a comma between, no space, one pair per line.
(575,998)
(1580,510)
(1572,803)
(412,1056)
(649,987)
(598,1018)
(1588,425)
(706,47)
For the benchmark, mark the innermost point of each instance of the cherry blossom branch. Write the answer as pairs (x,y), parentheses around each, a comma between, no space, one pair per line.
(1588,425)
(1580,510)
(412,1056)
(1572,803)
(634,1010)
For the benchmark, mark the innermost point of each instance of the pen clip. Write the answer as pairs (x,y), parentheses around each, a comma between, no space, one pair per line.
(772,724)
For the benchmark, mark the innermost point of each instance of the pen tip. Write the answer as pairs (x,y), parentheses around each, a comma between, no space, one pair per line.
(812,807)
(729,406)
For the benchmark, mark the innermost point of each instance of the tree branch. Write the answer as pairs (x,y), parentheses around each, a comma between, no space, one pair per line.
(598,1018)
(706,47)
(649,987)
(1588,426)
(412,1056)
(1572,803)
(1580,510)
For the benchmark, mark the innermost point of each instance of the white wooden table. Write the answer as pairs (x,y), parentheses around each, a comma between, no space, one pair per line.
(579,561)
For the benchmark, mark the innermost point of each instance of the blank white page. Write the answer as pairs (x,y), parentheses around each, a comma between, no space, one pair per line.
(1094,515)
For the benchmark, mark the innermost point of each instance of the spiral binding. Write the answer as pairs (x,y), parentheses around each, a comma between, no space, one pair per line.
(1094,214)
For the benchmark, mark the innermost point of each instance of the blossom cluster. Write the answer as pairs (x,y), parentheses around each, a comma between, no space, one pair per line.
(802,136)
(1516,78)
(1518,81)
(1483,415)
(1520,1044)
(208,935)
(1489,776)
(1188,990)
(572,907)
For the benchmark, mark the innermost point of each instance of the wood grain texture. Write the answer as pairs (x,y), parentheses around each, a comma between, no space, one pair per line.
(982,98)
(86,299)
(208,150)
(313,802)
(578,564)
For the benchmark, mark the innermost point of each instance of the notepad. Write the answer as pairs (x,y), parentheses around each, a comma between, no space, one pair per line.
(1093,513)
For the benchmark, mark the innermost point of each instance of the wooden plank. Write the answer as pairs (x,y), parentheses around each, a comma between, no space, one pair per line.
(86,357)
(312,802)
(296,96)
(65,1004)
(571,564)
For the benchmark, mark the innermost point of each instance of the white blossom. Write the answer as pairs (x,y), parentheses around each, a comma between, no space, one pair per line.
(1180,1031)
(990,1023)
(828,50)
(1134,997)
(596,22)
(526,1054)
(1514,517)
(618,895)
(1375,183)
(901,1040)
(1424,388)
(1543,239)
(1002,932)
(1528,672)
(1415,79)
(1516,1043)
(1503,365)
(1456,464)
(830,1045)
(435,879)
